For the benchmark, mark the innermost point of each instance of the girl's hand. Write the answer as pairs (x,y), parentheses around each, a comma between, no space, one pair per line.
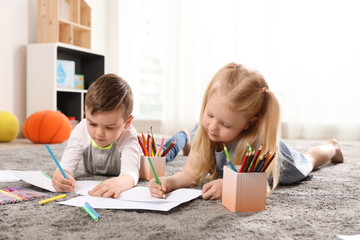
(155,189)
(109,188)
(213,190)
(61,184)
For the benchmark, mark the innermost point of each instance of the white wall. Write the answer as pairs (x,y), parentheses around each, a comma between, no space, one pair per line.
(17,31)
(18,27)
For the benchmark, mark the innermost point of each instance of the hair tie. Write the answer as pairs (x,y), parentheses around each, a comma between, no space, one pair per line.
(264,90)
(236,65)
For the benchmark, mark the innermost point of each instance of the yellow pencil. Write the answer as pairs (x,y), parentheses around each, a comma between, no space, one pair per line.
(52,199)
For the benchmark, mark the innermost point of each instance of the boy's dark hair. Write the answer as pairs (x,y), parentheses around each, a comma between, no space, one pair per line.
(109,92)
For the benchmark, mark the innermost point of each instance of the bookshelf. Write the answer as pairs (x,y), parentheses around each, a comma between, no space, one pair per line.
(66,21)
(42,92)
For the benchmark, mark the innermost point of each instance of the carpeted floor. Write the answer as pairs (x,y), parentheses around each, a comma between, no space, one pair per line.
(321,208)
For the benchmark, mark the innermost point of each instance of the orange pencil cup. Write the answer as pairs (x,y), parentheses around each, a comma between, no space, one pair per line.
(145,168)
(244,192)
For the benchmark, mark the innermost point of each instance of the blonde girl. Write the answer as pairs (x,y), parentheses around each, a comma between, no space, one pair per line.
(239,108)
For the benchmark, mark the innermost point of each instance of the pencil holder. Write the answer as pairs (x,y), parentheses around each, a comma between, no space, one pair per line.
(145,168)
(244,192)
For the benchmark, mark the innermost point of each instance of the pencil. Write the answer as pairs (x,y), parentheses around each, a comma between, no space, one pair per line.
(244,162)
(57,163)
(228,159)
(249,160)
(167,149)
(148,144)
(160,148)
(155,175)
(259,163)
(92,209)
(268,162)
(153,140)
(141,145)
(256,159)
(52,199)
(144,144)
(92,215)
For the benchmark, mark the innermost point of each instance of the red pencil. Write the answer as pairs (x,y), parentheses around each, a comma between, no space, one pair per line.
(144,142)
(244,162)
(141,145)
(266,165)
(166,152)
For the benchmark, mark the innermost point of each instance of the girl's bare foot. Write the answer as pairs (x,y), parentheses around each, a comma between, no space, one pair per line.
(186,149)
(338,158)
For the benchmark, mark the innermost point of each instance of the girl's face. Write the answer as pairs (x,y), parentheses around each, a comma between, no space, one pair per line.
(106,127)
(220,122)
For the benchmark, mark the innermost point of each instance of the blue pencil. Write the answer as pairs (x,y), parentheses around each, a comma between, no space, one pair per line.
(57,163)
(92,209)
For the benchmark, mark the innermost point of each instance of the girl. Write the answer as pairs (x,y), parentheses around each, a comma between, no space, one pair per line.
(238,108)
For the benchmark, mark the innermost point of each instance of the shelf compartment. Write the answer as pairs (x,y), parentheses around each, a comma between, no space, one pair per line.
(65,32)
(69,103)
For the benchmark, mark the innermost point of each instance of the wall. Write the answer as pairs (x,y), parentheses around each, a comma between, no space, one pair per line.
(18,25)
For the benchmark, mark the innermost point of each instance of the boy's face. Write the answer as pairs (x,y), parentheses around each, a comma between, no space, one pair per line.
(220,122)
(106,127)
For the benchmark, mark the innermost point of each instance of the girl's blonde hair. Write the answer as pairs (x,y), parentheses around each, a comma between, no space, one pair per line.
(245,91)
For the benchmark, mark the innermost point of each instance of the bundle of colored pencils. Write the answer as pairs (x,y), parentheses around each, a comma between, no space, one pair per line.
(254,162)
(149,147)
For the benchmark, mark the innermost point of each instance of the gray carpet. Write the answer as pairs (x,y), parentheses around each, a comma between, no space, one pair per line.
(321,208)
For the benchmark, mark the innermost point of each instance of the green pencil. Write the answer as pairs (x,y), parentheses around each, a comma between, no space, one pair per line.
(228,159)
(92,215)
(156,177)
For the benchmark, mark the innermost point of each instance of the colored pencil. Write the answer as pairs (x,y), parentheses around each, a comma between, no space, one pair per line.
(168,148)
(148,144)
(57,163)
(229,159)
(256,159)
(141,145)
(52,199)
(249,160)
(92,209)
(244,162)
(160,148)
(144,144)
(153,140)
(268,162)
(155,175)
(92,215)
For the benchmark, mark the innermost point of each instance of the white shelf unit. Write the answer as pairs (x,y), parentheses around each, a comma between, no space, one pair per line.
(41,90)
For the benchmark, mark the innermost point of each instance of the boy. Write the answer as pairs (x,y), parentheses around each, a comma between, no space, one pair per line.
(105,140)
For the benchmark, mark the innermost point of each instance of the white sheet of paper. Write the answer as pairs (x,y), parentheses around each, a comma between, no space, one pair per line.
(349,237)
(137,198)
(111,203)
(36,178)
(134,198)
(142,194)
(7,176)
(82,187)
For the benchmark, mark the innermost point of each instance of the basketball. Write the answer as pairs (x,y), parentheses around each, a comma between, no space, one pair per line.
(47,127)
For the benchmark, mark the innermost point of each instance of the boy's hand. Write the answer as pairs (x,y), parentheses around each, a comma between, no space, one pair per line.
(109,188)
(61,184)
(155,189)
(212,190)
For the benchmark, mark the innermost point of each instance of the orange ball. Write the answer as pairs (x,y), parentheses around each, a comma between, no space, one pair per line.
(47,127)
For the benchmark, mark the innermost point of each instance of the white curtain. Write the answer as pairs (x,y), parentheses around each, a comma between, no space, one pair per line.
(309,52)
